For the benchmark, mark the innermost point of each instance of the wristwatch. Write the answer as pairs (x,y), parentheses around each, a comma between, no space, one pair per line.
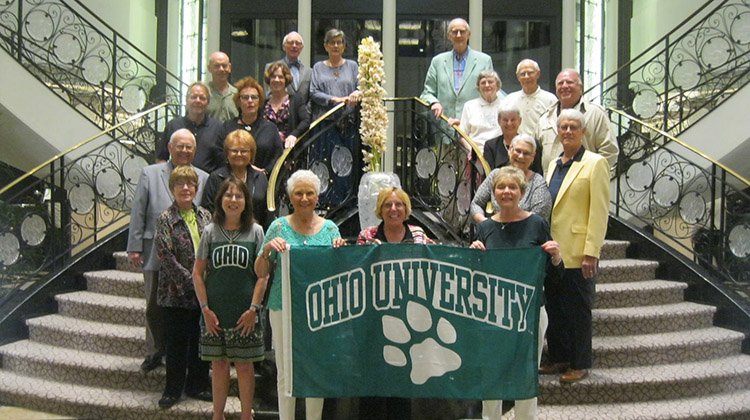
(257,307)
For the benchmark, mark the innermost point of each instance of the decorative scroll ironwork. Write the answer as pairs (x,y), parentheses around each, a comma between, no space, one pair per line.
(699,207)
(74,200)
(83,60)
(429,160)
(690,72)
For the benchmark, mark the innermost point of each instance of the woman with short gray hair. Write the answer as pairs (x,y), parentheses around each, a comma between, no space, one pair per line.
(303,227)
(479,116)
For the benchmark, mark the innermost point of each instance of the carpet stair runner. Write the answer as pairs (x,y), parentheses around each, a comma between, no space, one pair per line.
(655,356)
(85,360)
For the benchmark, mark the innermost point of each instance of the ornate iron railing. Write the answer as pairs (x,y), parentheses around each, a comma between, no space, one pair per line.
(689,72)
(683,197)
(64,206)
(83,60)
(428,158)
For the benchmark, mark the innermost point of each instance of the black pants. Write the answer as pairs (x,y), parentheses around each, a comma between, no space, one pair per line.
(384,408)
(185,369)
(569,304)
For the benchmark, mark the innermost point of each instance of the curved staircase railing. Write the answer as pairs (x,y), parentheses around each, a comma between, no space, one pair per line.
(687,73)
(683,197)
(428,158)
(65,206)
(84,61)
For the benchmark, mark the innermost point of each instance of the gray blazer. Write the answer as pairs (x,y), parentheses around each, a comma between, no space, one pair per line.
(152,197)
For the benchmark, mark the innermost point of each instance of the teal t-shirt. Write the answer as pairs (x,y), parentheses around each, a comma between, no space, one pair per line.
(280,228)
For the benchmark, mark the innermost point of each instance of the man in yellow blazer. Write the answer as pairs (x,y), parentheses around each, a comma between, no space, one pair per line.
(579,184)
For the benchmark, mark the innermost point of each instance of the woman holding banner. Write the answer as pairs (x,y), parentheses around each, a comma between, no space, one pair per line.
(303,227)
(512,227)
(393,208)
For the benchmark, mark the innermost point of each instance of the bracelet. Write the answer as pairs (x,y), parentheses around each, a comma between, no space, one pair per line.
(257,307)
(204,305)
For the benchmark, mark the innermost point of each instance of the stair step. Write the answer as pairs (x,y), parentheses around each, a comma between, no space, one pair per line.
(116,282)
(100,403)
(626,270)
(613,249)
(641,293)
(658,382)
(665,348)
(123,263)
(724,406)
(103,308)
(44,361)
(78,366)
(652,319)
(98,337)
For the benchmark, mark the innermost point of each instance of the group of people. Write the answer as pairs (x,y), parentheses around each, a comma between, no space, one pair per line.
(202,234)
(550,157)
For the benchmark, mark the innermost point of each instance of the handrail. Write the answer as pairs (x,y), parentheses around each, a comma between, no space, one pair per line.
(119,35)
(83,61)
(688,73)
(681,195)
(678,27)
(271,192)
(273,178)
(79,145)
(477,152)
(683,144)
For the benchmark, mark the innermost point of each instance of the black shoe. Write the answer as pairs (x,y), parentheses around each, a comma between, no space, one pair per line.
(167,401)
(150,363)
(202,395)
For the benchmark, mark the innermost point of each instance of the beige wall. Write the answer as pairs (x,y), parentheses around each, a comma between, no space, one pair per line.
(653,19)
(133,19)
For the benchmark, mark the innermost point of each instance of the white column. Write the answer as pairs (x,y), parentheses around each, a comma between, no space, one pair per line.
(569,30)
(475,22)
(304,27)
(389,46)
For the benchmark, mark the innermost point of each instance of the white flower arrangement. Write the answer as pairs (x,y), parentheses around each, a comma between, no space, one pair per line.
(374,116)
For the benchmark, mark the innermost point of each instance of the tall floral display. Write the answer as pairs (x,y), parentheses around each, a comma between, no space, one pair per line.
(372,130)
(374,117)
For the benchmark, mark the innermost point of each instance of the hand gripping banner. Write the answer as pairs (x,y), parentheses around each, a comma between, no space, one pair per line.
(412,321)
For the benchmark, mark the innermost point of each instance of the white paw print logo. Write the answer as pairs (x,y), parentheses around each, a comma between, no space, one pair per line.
(428,358)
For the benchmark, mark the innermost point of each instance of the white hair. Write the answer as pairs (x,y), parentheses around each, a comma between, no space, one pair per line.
(524,138)
(302,175)
(570,114)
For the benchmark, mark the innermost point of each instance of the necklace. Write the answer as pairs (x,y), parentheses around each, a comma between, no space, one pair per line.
(230,235)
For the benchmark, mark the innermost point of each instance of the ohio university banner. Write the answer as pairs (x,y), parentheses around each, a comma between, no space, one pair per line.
(412,321)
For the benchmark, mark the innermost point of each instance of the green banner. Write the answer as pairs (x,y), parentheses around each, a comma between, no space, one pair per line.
(412,321)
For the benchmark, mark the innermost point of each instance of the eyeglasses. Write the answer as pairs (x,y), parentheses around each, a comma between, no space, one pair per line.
(298,43)
(336,43)
(459,31)
(249,97)
(183,184)
(239,151)
(526,73)
(522,152)
(569,127)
